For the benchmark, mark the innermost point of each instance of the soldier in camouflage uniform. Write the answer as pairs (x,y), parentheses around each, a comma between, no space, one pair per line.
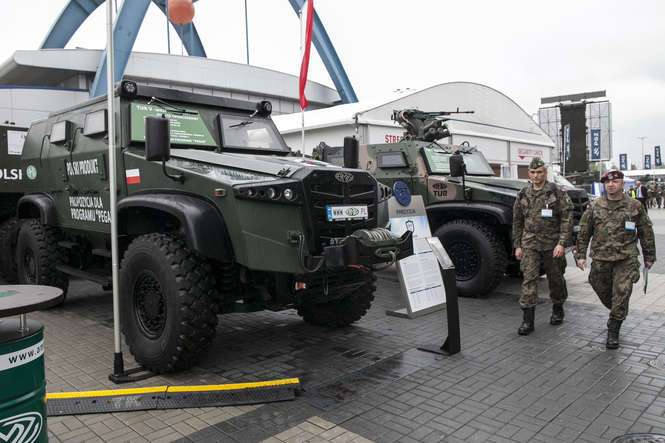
(614,223)
(541,229)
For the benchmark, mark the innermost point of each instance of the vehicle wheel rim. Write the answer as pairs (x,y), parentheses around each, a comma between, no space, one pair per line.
(465,258)
(149,305)
(29,267)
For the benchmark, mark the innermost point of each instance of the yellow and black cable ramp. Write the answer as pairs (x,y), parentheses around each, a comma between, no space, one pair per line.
(170,397)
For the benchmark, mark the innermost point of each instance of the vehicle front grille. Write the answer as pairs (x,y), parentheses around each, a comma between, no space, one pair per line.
(322,189)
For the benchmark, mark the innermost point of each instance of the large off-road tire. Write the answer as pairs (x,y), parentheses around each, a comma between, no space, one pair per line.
(8,237)
(478,254)
(348,307)
(169,315)
(37,254)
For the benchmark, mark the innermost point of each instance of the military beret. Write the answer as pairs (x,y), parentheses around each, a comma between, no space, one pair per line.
(611,175)
(536,163)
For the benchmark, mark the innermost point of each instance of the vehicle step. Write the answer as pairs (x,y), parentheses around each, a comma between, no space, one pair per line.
(97,278)
(102,253)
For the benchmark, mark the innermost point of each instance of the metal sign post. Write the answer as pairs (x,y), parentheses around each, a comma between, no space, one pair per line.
(119,374)
(452,343)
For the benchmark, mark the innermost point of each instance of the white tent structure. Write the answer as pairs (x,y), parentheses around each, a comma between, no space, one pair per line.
(34,83)
(499,127)
(642,172)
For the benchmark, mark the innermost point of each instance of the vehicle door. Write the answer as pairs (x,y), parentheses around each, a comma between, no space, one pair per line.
(78,156)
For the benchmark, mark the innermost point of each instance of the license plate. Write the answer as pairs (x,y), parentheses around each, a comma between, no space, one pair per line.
(576,228)
(341,213)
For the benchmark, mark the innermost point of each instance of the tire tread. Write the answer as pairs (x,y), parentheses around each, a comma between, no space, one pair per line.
(496,250)
(344,310)
(48,254)
(196,292)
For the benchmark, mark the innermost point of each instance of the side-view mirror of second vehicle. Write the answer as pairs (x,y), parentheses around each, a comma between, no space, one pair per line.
(157,138)
(457,167)
(350,152)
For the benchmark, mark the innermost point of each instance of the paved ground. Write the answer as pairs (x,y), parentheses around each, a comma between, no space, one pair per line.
(368,382)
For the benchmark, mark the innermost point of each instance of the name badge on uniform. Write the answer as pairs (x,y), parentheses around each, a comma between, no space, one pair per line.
(546,213)
(630,226)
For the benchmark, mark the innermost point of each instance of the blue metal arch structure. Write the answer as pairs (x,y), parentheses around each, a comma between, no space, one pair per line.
(129,22)
(125,29)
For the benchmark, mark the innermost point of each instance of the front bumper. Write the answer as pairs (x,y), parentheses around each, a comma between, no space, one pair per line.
(367,247)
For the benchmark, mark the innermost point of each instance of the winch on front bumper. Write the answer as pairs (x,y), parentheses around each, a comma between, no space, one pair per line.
(365,247)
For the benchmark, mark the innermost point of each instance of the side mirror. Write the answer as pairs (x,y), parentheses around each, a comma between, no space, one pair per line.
(350,152)
(157,138)
(457,166)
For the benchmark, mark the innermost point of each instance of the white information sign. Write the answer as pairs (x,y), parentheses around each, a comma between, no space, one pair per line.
(419,274)
(15,140)
(421,279)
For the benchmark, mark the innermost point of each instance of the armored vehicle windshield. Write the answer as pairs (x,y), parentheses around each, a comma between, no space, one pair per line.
(256,133)
(438,162)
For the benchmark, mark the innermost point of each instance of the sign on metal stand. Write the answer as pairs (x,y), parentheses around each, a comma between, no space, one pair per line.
(419,275)
(451,344)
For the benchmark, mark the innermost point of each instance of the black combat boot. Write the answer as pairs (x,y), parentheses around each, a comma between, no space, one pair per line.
(527,322)
(613,327)
(557,314)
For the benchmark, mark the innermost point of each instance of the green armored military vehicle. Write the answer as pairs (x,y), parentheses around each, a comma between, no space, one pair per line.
(469,209)
(215,215)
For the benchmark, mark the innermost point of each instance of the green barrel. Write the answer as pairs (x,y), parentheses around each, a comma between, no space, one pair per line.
(22,382)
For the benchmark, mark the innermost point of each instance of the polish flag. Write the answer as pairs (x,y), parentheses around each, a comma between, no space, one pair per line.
(305,58)
(133,176)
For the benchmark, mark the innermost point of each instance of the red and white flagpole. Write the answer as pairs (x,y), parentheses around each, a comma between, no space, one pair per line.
(302,110)
(304,66)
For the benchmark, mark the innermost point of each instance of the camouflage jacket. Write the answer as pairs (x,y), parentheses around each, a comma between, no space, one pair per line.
(531,229)
(606,227)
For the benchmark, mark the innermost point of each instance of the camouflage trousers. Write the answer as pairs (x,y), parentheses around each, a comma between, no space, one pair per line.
(530,266)
(613,282)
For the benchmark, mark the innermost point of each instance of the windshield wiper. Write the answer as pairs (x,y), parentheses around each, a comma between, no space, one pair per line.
(243,123)
(174,108)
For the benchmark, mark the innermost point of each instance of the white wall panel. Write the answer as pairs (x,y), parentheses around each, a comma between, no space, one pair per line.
(331,136)
(495,151)
(522,153)
(25,105)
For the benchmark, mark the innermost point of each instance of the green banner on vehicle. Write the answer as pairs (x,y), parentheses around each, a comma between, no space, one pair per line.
(187,128)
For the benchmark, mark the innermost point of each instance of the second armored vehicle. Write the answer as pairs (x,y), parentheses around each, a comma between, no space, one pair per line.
(470,210)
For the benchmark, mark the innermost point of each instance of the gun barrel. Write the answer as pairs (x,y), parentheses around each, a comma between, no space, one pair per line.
(439,113)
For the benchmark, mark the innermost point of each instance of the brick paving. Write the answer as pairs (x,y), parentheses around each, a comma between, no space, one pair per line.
(368,382)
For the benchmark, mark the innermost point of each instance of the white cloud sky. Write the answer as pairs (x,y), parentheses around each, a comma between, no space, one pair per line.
(525,49)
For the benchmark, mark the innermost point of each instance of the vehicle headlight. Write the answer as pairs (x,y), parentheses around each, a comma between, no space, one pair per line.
(271,193)
(278,191)
(384,192)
